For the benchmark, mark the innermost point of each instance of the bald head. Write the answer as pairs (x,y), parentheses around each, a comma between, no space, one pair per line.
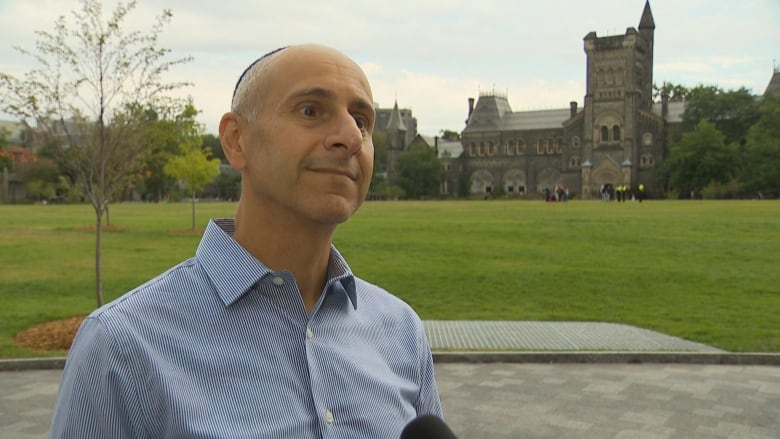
(257,79)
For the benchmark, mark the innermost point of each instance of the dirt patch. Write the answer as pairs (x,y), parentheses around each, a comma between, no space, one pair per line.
(50,336)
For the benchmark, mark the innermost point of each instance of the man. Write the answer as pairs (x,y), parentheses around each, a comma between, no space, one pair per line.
(265,333)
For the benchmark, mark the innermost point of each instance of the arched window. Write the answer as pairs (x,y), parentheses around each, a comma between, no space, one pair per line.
(510,147)
(472,149)
(604,133)
(615,132)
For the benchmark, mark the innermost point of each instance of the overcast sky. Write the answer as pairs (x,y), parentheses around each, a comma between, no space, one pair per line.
(432,55)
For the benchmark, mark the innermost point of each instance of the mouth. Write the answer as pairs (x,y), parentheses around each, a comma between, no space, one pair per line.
(336,171)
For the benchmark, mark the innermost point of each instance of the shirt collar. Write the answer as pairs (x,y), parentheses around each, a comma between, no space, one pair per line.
(233,270)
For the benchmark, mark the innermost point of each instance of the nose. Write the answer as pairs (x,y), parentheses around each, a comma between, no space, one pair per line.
(345,134)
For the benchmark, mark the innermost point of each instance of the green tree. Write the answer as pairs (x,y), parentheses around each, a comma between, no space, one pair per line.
(163,133)
(193,168)
(449,135)
(420,172)
(761,171)
(41,178)
(700,158)
(733,112)
(676,92)
(214,146)
(91,81)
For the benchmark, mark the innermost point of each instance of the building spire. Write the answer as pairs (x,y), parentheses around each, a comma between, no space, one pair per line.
(647,22)
(396,123)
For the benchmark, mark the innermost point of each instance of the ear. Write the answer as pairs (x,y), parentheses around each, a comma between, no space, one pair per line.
(232,142)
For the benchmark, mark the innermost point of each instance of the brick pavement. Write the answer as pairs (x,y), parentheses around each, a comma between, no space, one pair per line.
(564,380)
(531,400)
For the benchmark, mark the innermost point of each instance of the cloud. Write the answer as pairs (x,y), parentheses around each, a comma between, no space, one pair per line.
(433,54)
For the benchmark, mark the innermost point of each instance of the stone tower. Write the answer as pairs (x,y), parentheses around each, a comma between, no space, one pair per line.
(619,90)
(396,142)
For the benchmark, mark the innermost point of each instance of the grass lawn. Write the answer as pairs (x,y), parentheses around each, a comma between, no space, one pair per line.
(702,270)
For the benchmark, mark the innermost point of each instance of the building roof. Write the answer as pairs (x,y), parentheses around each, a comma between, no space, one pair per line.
(676,110)
(395,123)
(450,148)
(647,22)
(446,148)
(773,88)
(493,113)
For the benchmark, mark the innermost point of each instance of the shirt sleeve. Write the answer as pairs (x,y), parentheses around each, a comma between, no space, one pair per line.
(97,397)
(428,401)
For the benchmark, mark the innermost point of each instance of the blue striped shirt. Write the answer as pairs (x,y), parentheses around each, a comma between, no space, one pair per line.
(221,346)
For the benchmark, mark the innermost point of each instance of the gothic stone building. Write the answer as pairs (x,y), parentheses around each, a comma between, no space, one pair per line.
(616,138)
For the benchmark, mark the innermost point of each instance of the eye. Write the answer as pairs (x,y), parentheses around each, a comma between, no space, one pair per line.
(361,121)
(309,111)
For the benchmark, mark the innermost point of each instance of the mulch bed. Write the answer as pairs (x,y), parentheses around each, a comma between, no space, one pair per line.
(50,336)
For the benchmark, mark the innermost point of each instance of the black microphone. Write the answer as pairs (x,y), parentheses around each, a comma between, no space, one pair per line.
(427,427)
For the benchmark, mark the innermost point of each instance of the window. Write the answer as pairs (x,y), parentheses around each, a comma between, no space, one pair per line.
(615,132)
(472,149)
(510,147)
(604,134)
(549,145)
(540,146)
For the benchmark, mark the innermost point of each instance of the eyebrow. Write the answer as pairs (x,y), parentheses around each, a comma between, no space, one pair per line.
(319,92)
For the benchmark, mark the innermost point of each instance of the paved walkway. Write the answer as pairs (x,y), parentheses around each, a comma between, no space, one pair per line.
(541,399)
(450,335)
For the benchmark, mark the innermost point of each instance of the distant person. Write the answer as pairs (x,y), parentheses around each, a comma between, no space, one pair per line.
(640,193)
(265,332)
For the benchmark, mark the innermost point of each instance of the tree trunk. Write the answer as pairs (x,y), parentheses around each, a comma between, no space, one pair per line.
(193,211)
(98,256)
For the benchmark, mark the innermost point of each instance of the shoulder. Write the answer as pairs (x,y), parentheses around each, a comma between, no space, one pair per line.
(380,304)
(170,290)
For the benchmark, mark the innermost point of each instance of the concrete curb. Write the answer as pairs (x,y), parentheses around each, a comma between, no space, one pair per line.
(711,358)
(32,363)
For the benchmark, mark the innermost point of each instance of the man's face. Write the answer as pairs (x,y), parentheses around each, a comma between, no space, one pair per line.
(310,152)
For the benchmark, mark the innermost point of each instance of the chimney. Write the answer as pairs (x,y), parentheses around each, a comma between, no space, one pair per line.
(572,109)
(664,105)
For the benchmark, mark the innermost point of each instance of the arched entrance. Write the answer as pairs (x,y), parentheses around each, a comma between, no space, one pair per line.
(482,182)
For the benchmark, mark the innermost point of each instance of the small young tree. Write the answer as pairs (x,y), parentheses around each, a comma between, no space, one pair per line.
(92,79)
(194,169)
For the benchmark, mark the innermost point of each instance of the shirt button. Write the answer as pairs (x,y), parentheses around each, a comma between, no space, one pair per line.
(278,281)
(328,417)
(309,334)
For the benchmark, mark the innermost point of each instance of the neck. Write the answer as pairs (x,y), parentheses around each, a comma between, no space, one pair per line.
(284,242)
